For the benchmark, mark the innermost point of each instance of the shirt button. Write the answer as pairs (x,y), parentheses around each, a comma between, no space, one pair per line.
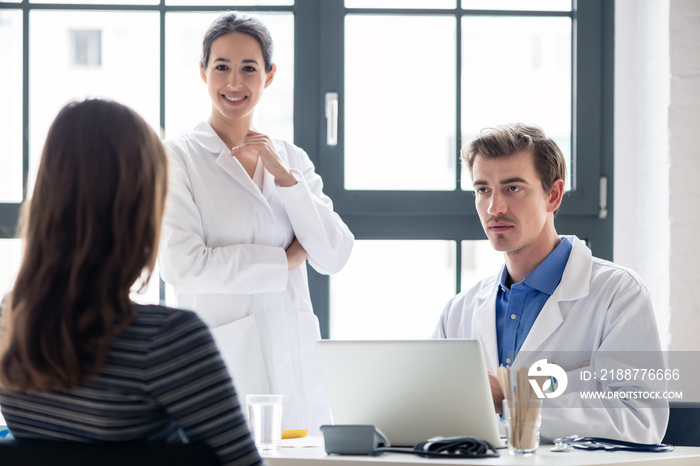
(512,316)
(508,360)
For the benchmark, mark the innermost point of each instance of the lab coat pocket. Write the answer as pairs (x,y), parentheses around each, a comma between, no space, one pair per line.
(311,379)
(239,345)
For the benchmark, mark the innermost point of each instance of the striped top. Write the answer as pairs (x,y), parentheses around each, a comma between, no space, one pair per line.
(164,381)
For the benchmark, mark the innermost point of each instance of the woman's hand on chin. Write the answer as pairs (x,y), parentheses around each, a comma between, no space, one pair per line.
(262,145)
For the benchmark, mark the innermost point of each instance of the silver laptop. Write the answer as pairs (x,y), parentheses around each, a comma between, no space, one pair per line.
(411,390)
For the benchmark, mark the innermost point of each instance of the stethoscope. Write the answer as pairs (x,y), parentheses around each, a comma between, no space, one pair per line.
(605,444)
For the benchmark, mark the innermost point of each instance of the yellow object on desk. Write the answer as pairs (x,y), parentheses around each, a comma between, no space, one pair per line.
(294,433)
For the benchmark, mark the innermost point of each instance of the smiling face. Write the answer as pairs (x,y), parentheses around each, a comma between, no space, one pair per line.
(235,77)
(516,213)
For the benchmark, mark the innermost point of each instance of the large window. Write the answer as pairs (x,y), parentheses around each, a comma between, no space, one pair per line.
(144,54)
(382,94)
(415,80)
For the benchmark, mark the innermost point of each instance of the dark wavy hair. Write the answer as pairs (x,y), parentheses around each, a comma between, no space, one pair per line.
(235,22)
(90,232)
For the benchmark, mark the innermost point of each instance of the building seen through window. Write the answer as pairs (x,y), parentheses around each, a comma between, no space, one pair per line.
(86,48)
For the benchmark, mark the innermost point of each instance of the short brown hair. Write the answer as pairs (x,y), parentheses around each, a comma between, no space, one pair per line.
(506,140)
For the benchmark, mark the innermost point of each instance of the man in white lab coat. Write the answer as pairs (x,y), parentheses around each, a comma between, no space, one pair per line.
(553,300)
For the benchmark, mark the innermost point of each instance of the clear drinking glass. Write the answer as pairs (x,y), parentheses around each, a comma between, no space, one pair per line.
(523,419)
(265,420)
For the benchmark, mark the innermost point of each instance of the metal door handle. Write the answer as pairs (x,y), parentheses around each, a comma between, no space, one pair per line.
(332,118)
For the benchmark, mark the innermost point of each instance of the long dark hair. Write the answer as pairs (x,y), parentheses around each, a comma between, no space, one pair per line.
(90,231)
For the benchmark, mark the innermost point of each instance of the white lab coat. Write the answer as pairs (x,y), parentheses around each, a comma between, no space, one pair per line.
(598,310)
(223,250)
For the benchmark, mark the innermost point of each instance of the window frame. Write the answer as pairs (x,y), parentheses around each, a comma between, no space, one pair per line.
(10,212)
(450,215)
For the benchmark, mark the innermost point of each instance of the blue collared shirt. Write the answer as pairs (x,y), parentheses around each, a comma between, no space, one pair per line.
(517,308)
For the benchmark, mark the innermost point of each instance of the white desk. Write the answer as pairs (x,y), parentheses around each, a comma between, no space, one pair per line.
(316,456)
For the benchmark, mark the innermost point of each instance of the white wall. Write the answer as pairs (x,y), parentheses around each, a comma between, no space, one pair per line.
(657,157)
(684,179)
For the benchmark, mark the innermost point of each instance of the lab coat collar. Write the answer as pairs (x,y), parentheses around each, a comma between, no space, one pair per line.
(208,139)
(574,285)
(576,279)
(234,168)
(211,142)
(548,273)
(484,321)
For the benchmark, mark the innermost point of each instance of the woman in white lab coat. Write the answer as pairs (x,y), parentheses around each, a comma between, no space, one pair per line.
(244,214)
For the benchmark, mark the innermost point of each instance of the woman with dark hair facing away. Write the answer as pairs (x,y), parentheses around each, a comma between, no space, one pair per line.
(244,214)
(78,360)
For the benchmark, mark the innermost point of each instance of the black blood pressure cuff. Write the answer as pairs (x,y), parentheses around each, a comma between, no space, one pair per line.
(368,440)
